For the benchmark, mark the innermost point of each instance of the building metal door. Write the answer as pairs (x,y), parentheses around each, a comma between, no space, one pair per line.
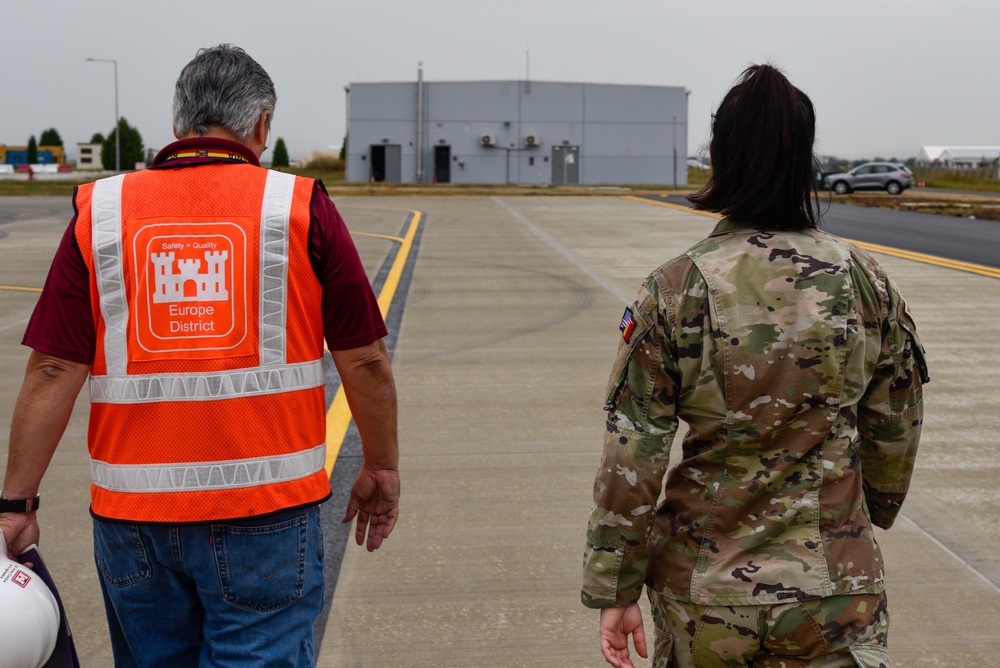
(565,165)
(442,164)
(377,163)
(387,163)
(393,163)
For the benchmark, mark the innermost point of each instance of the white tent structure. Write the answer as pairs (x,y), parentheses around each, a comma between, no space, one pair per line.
(961,157)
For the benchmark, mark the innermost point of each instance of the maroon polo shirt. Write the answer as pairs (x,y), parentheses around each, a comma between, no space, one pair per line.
(62,324)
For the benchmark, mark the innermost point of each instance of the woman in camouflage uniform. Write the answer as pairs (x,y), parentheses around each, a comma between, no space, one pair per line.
(794,362)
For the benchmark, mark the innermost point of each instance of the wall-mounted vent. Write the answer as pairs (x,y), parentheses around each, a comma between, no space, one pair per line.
(532,140)
(488,140)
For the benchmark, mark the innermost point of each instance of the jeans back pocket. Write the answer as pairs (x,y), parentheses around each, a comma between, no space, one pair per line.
(261,567)
(120,554)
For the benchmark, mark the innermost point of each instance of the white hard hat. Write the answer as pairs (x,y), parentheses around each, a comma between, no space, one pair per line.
(29,617)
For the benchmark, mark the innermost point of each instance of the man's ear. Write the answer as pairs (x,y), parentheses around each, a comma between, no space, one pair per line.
(262,128)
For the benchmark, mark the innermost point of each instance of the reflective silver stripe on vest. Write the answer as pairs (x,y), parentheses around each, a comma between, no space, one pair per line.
(145,388)
(106,242)
(274,220)
(203,476)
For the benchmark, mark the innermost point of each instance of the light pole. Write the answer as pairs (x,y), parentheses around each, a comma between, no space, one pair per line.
(118,134)
(673,125)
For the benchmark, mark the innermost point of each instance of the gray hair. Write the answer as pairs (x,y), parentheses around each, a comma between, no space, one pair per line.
(222,87)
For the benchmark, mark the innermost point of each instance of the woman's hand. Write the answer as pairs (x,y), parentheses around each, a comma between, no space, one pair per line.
(617,624)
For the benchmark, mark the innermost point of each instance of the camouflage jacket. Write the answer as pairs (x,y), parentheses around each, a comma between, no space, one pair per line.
(794,362)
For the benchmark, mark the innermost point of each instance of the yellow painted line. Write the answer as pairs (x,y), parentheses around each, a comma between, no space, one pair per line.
(18,288)
(378,236)
(929,259)
(874,248)
(388,237)
(338,418)
(396,272)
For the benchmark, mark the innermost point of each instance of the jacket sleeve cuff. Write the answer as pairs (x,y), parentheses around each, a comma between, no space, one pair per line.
(612,578)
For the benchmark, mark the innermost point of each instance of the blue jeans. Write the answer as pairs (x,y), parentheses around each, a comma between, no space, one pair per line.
(235,593)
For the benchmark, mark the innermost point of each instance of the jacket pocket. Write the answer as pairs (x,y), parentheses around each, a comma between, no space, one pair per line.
(641,325)
(663,648)
(916,348)
(870,656)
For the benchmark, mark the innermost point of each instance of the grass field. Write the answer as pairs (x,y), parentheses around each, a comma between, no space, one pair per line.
(38,187)
(958,179)
(332,174)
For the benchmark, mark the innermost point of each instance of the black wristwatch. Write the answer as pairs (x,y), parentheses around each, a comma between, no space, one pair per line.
(18,505)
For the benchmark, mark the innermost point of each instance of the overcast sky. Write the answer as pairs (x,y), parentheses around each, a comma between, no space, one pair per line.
(886,76)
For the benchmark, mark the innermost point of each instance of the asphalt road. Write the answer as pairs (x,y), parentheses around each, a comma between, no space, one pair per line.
(976,241)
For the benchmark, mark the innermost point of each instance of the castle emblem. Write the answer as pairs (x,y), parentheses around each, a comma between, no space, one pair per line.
(188,283)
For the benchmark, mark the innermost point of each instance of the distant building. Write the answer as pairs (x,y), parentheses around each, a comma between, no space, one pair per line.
(524,132)
(18,155)
(88,156)
(960,157)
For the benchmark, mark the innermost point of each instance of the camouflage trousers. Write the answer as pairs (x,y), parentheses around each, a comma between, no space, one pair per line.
(821,633)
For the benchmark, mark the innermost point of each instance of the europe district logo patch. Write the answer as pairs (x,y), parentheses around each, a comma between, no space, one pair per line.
(191,281)
(628,324)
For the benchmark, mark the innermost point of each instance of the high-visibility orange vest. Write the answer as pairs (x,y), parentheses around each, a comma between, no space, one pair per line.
(207,387)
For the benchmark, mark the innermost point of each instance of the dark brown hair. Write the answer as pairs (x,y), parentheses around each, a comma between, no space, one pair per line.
(762,154)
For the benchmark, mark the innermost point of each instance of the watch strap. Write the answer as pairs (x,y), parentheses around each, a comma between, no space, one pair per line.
(19,505)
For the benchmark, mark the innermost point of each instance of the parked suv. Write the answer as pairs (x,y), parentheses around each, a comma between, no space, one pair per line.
(892,177)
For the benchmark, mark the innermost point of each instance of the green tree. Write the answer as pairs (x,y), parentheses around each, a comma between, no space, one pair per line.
(280,156)
(50,137)
(343,149)
(32,150)
(131,146)
(98,138)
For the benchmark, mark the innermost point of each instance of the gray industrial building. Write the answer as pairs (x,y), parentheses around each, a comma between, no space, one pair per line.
(522,132)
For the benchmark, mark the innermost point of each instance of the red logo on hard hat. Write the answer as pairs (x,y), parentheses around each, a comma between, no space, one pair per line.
(21,579)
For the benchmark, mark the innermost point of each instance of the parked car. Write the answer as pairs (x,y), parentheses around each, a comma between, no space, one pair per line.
(892,177)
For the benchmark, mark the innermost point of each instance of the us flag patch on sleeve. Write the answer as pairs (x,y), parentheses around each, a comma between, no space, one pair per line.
(628,324)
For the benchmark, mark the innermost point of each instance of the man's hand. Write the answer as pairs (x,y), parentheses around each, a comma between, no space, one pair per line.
(366,377)
(616,626)
(20,531)
(375,501)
